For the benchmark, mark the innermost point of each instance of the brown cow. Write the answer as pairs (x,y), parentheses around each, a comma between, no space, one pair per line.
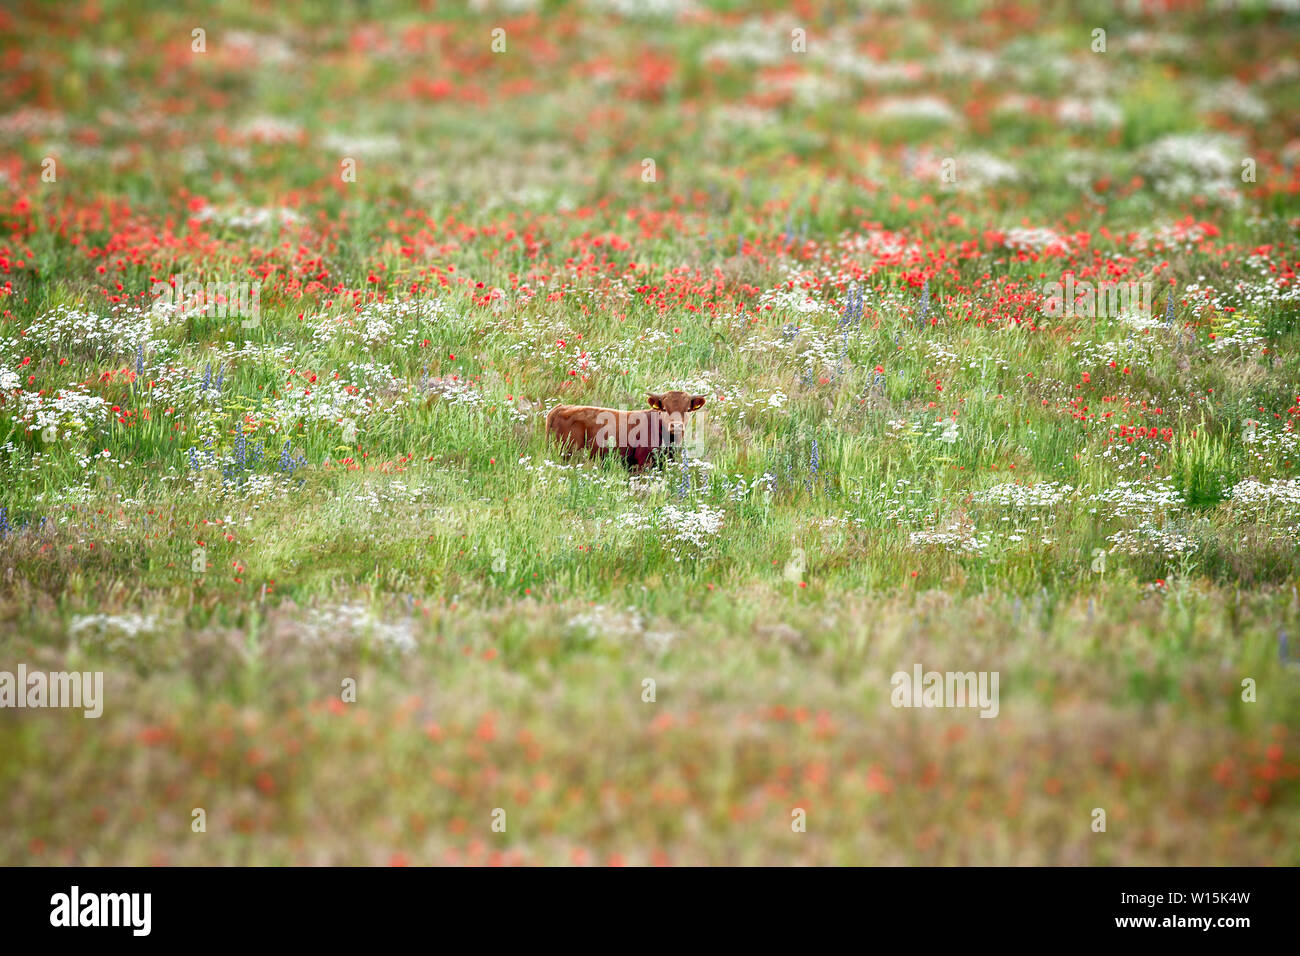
(640,437)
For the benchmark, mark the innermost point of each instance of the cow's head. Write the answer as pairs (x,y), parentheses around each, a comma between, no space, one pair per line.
(675,406)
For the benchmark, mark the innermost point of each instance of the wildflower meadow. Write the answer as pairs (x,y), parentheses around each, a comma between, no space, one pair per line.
(983,548)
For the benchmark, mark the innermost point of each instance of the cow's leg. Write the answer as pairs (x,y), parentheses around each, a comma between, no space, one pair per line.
(569,440)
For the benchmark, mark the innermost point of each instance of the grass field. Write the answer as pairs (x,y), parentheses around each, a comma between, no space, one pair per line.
(350,603)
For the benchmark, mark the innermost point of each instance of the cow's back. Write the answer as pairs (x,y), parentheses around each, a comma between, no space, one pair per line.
(575,425)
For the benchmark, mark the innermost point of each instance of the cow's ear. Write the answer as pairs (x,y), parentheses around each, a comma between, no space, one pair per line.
(655,401)
(697,401)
